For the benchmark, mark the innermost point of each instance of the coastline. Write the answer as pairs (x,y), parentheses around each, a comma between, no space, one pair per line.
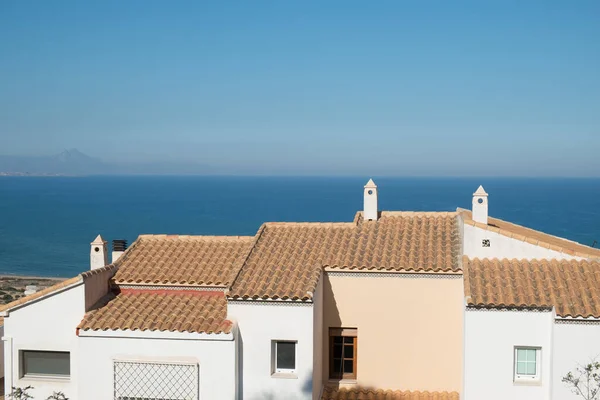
(12,287)
(30,277)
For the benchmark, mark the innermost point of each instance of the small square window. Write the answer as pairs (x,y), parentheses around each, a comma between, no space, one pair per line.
(284,357)
(45,363)
(527,364)
(485,243)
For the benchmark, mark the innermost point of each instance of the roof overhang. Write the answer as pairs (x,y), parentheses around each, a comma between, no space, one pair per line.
(160,335)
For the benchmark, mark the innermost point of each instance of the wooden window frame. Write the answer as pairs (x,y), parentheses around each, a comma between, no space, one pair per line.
(343,332)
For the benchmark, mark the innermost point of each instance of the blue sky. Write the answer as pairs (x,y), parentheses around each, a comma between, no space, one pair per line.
(308,87)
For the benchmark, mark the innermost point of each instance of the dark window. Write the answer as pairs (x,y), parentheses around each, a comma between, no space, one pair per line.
(45,363)
(285,356)
(342,353)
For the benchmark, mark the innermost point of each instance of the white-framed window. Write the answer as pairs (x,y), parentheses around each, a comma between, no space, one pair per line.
(527,364)
(284,356)
(48,364)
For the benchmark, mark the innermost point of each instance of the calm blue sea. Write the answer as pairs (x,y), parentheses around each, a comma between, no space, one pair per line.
(46,224)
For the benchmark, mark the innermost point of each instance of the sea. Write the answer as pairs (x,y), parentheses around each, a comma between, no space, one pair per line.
(47,223)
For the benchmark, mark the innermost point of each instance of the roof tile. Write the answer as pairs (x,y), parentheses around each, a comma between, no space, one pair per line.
(183,260)
(360,393)
(160,310)
(287,258)
(572,287)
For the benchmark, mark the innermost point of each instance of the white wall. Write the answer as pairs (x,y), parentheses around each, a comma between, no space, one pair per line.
(50,325)
(490,338)
(261,322)
(216,360)
(1,353)
(573,344)
(318,339)
(504,247)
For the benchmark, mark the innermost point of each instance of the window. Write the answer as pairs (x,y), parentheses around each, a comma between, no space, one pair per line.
(284,357)
(342,353)
(527,364)
(45,363)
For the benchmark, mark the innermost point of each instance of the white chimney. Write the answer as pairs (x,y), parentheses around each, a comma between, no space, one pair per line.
(98,253)
(370,212)
(118,246)
(480,206)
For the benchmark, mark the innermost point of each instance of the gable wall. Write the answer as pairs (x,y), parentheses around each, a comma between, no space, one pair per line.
(504,247)
(410,328)
(47,324)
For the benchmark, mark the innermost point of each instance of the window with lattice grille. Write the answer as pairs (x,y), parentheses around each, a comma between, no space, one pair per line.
(140,380)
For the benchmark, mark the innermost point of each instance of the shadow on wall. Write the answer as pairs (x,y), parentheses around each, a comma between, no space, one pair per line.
(240,371)
(306,393)
(331,319)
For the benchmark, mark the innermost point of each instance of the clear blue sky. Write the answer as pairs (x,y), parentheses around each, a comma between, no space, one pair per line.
(308,87)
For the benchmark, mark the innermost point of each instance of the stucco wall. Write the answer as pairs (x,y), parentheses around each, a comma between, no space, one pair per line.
(261,322)
(490,339)
(48,324)
(96,286)
(1,353)
(504,247)
(318,340)
(573,344)
(409,328)
(216,360)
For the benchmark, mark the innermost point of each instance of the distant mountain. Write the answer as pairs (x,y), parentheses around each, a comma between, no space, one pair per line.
(74,162)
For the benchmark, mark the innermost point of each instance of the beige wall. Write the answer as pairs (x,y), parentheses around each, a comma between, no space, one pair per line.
(318,339)
(410,329)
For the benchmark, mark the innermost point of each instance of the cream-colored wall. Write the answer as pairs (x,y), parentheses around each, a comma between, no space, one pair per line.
(410,328)
(318,340)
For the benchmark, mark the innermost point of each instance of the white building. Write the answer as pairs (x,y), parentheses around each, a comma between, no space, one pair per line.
(430,305)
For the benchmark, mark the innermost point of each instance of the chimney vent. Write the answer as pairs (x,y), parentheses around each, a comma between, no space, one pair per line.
(118,246)
(480,206)
(98,253)
(370,211)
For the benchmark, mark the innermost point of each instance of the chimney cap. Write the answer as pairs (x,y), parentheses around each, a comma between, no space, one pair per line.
(370,184)
(99,240)
(480,191)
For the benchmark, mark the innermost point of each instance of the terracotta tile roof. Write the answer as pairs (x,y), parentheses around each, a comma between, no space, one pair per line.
(287,258)
(572,287)
(532,236)
(182,260)
(160,310)
(358,393)
(41,293)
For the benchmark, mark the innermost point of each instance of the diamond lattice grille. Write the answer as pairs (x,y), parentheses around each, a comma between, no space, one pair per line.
(155,381)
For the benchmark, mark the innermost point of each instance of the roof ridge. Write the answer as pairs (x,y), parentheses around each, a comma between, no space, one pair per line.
(532,260)
(195,237)
(250,250)
(309,223)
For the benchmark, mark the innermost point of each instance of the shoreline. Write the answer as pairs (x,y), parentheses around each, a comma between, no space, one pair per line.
(31,277)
